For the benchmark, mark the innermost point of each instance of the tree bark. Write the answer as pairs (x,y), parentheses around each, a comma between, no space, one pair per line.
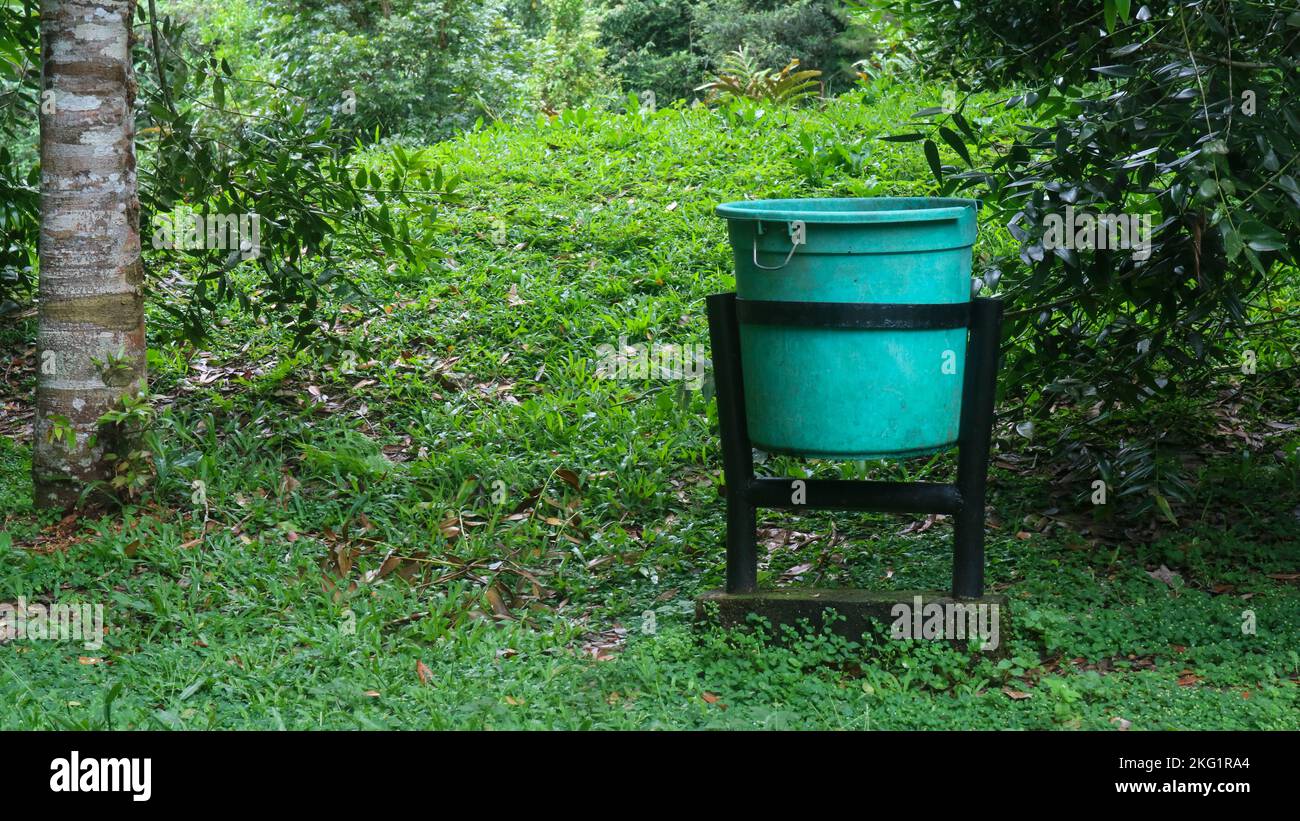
(90,338)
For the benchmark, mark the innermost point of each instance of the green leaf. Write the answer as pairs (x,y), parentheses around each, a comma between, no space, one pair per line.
(1232,243)
(1165,510)
(1121,71)
(1260,237)
(1288,184)
(932,157)
(955,142)
(109,698)
(965,127)
(1291,119)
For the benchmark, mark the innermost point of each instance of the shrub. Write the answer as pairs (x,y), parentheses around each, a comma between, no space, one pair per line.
(650,46)
(428,66)
(19,171)
(774,32)
(1177,112)
(670,46)
(741,77)
(568,71)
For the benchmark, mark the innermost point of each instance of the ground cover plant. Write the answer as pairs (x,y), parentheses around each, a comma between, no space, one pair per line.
(438,513)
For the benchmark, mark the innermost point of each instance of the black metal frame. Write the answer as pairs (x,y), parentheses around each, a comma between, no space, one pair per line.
(964,499)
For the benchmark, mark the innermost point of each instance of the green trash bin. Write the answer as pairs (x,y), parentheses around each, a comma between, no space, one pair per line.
(847,392)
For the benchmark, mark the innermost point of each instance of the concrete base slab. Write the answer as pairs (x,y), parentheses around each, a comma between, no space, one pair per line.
(927,614)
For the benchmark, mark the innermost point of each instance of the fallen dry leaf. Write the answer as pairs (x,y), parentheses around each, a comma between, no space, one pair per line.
(497,603)
(568,477)
(422,670)
(1164,574)
(343,560)
(1016,695)
(797,570)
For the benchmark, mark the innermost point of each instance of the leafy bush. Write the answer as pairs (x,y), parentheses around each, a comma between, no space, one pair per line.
(1180,113)
(532,16)
(891,46)
(670,46)
(288,174)
(19,172)
(774,32)
(741,77)
(568,70)
(427,66)
(651,47)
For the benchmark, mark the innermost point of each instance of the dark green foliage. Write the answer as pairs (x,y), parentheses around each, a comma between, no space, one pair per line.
(532,16)
(1183,112)
(567,71)
(430,67)
(19,174)
(671,46)
(273,160)
(651,46)
(1007,39)
(775,32)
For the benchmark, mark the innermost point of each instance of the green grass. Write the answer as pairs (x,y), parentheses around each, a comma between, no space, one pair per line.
(390,535)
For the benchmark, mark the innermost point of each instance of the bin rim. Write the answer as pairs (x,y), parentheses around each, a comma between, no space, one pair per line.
(849,210)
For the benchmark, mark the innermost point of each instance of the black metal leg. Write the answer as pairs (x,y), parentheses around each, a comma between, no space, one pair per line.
(744,490)
(978,393)
(737,456)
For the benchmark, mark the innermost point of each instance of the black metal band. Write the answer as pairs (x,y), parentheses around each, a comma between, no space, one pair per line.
(855,315)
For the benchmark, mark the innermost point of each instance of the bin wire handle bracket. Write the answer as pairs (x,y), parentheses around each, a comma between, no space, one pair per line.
(798,236)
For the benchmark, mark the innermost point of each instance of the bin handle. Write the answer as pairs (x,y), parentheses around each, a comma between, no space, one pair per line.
(798,236)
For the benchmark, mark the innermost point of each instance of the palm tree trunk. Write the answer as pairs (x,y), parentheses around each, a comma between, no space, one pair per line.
(90,340)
